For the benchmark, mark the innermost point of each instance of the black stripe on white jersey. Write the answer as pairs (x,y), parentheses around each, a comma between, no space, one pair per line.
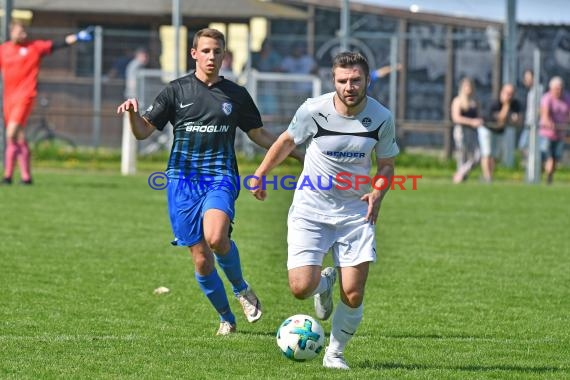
(325,132)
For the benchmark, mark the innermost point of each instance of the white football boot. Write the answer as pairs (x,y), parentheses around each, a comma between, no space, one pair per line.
(324,300)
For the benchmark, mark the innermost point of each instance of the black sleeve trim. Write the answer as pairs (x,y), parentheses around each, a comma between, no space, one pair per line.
(58,45)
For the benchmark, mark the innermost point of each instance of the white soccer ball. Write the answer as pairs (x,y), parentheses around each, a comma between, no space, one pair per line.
(300,337)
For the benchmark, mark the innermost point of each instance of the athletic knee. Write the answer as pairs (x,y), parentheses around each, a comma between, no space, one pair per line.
(218,243)
(299,290)
(13,132)
(11,137)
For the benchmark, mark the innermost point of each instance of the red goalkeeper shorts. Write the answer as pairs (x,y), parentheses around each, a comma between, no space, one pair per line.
(18,110)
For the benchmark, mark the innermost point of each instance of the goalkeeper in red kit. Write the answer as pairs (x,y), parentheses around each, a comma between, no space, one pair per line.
(20,60)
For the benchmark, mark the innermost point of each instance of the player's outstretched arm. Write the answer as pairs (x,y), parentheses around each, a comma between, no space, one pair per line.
(282,148)
(385,70)
(139,125)
(85,35)
(384,174)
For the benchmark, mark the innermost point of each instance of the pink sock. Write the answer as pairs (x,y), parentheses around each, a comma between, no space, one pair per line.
(24,160)
(12,151)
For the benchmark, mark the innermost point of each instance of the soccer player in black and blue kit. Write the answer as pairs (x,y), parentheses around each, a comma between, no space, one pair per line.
(205,110)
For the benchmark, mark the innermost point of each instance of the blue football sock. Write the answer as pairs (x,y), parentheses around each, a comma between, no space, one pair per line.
(213,287)
(231,265)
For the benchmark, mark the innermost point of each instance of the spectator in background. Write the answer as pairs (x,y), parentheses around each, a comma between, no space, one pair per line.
(466,116)
(530,112)
(20,60)
(505,111)
(226,70)
(554,117)
(266,59)
(139,61)
(119,68)
(380,73)
(300,62)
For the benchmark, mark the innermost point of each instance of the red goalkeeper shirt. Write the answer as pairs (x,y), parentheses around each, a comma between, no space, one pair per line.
(20,65)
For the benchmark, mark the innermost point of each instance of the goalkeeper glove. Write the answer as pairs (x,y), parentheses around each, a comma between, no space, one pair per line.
(85,35)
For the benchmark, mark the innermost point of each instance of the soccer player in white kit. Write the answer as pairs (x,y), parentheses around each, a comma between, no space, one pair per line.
(331,210)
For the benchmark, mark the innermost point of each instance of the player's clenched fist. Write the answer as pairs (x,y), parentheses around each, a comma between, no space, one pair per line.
(255,185)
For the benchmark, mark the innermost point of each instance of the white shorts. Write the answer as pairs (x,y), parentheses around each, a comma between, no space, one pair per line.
(352,240)
(490,143)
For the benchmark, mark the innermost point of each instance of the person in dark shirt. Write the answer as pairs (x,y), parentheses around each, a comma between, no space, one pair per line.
(205,110)
(504,112)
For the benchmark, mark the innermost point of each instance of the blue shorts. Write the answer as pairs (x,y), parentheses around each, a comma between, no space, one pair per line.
(524,138)
(188,202)
(551,148)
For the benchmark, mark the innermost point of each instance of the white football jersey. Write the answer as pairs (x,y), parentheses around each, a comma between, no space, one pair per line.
(338,147)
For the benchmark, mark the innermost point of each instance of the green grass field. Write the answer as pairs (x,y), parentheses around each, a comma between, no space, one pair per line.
(472,281)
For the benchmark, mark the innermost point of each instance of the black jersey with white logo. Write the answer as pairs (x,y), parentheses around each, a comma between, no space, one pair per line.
(205,119)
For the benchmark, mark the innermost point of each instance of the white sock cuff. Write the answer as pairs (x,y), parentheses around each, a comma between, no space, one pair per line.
(351,310)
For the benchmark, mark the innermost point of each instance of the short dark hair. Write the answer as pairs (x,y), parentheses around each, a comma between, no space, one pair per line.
(211,33)
(348,59)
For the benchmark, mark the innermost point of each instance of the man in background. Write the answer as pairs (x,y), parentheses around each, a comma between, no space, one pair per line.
(554,118)
(531,111)
(20,60)
(139,61)
(505,111)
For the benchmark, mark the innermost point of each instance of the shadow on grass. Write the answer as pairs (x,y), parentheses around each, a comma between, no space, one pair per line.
(377,365)
(434,336)
(271,334)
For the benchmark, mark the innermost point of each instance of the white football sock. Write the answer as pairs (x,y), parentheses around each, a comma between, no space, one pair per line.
(345,321)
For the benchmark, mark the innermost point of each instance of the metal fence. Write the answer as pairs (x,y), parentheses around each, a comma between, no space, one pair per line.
(81,86)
